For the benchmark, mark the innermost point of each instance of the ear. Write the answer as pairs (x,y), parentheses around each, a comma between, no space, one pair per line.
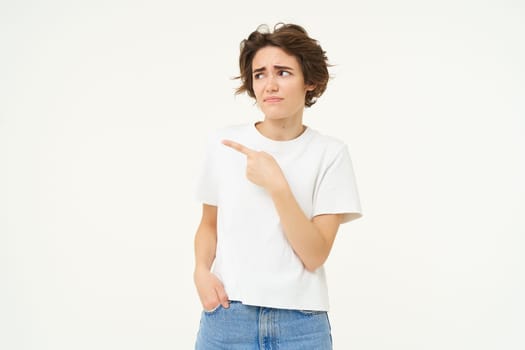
(310,87)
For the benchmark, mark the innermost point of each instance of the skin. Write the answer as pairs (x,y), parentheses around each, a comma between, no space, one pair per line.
(280,94)
(278,75)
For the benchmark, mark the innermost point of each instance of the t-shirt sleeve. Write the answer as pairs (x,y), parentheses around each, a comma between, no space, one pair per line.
(207,184)
(337,191)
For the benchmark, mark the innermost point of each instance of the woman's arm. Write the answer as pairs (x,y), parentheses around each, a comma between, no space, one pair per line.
(311,240)
(210,289)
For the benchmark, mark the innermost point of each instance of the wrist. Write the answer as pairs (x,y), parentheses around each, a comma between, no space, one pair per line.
(279,189)
(200,268)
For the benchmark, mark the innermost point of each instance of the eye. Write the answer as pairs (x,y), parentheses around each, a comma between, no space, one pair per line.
(258,76)
(284,73)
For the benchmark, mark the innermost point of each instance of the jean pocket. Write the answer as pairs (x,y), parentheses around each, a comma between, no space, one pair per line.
(212,311)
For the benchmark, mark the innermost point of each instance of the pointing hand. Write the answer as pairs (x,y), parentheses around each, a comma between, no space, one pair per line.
(261,167)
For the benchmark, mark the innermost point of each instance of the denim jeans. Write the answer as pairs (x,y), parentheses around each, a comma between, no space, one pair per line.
(245,327)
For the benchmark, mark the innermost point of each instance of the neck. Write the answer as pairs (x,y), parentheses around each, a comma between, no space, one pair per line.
(281,129)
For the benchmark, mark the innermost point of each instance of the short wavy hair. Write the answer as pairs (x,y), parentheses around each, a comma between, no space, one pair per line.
(294,40)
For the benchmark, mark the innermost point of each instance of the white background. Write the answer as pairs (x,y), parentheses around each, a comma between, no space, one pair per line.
(104,108)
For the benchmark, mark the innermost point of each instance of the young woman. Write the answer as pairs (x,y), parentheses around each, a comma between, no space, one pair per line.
(274,193)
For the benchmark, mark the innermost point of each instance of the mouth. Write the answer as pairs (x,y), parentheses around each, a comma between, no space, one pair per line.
(273,99)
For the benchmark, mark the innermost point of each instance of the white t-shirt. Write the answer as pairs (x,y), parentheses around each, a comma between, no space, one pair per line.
(254,260)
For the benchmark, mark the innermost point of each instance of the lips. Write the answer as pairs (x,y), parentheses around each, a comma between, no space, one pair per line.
(273,99)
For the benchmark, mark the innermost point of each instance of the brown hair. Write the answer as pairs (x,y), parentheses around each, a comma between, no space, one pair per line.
(294,40)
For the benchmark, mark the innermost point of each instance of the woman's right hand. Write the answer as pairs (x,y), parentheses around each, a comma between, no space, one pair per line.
(210,288)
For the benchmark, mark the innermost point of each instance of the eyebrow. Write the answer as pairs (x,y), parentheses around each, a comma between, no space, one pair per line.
(277,67)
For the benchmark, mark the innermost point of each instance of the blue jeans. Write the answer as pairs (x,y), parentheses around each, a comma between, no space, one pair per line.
(245,327)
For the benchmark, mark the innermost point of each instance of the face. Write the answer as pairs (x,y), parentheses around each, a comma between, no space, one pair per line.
(278,84)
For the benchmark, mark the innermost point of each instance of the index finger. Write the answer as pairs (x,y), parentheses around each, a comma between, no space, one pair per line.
(238,147)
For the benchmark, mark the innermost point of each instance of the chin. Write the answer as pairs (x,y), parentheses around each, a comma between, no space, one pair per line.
(271,113)
(274,117)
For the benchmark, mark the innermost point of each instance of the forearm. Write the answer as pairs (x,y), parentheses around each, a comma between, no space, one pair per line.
(205,247)
(302,234)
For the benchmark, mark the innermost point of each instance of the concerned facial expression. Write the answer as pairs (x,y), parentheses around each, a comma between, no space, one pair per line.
(278,83)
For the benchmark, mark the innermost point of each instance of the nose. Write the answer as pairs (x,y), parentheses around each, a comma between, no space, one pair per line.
(271,84)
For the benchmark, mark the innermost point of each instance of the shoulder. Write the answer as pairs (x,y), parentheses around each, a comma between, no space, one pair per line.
(330,146)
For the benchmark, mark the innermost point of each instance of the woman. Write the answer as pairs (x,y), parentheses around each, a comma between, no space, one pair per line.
(274,193)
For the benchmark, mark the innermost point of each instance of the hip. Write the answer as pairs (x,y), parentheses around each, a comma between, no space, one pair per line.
(253,327)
